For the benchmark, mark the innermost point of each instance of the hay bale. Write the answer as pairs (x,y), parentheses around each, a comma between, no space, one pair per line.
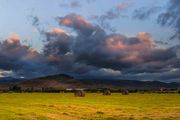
(141,92)
(106,92)
(125,92)
(79,93)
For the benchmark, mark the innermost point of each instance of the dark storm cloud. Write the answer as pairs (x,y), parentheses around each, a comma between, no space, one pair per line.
(92,51)
(20,59)
(59,42)
(164,65)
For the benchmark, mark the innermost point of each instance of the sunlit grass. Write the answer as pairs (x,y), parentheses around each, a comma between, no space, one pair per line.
(64,106)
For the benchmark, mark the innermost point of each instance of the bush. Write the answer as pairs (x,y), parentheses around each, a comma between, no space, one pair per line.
(15,88)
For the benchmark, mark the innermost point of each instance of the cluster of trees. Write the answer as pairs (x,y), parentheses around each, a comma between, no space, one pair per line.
(18,89)
(32,89)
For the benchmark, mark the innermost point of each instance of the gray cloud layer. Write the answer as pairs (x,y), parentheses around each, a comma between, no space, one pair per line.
(91,53)
(92,50)
(22,60)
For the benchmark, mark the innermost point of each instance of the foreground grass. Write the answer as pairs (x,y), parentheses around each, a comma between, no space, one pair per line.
(64,106)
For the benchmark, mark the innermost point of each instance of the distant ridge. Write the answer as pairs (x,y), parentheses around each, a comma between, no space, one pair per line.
(63,81)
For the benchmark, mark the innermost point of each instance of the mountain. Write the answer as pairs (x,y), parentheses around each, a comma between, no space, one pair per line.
(56,81)
(64,81)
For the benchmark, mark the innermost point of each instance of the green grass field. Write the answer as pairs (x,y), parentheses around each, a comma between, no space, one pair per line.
(64,106)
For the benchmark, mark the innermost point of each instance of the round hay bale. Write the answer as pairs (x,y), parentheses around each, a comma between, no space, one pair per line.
(106,92)
(125,92)
(79,93)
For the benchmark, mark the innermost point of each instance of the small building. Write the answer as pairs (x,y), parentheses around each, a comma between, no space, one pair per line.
(69,90)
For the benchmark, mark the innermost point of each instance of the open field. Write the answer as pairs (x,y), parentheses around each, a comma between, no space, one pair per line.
(64,106)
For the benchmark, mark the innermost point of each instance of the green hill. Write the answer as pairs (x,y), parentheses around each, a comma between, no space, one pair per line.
(64,81)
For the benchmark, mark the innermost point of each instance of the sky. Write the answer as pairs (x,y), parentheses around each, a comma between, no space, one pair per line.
(91,39)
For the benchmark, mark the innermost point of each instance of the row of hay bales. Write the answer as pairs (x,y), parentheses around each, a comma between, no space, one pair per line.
(81,92)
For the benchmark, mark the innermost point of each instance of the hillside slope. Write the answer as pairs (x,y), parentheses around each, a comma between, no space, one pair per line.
(64,81)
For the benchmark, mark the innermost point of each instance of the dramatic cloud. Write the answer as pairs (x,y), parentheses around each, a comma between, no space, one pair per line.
(59,42)
(92,51)
(79,23)
(20,59)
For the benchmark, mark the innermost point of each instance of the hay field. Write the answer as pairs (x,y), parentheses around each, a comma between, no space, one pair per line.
(94,106)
